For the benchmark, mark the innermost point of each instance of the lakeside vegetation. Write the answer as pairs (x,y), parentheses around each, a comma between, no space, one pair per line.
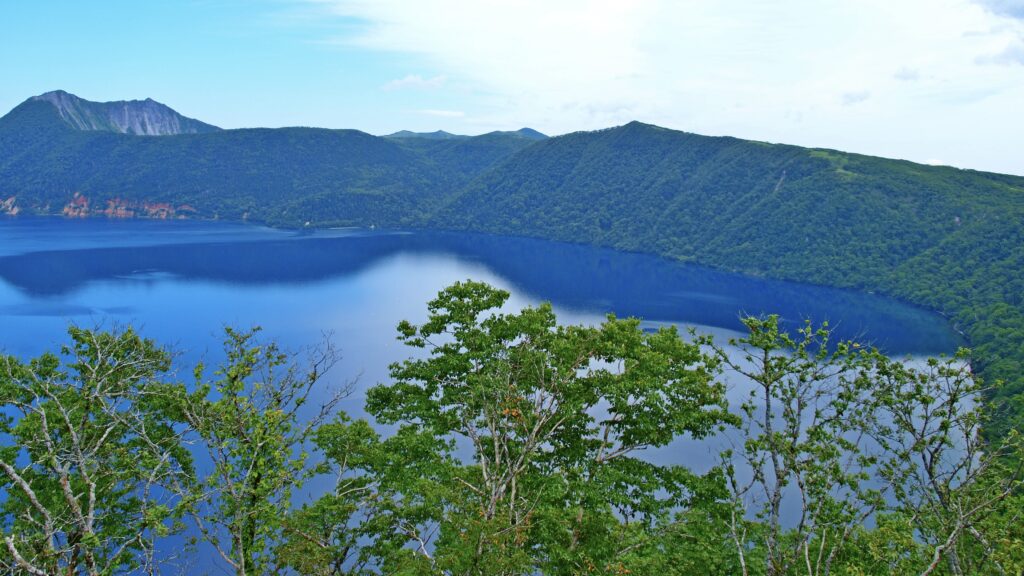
(943,238)
(512,445)
(105,461)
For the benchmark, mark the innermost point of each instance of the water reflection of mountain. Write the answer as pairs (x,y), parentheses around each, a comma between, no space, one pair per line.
(572,276)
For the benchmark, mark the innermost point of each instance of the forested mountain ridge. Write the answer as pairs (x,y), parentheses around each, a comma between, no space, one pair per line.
(286,176)
(940,237)
(435,135)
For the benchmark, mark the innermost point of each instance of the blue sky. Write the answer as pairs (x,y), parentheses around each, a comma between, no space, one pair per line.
(232,63)
(936,81)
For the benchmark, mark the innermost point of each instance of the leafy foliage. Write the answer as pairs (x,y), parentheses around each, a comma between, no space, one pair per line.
(510,445)
(519,439)
(802,445)
(90,440)
(251,429)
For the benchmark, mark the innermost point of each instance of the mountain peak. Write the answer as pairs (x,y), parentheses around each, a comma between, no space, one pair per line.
(638,125)
(139,117)
(53,94)
(527,133)
(531,133)
(435,135)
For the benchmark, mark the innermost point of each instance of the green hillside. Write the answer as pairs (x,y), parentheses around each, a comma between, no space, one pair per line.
(464,157)
(940,237)
(948,239)
(286,176)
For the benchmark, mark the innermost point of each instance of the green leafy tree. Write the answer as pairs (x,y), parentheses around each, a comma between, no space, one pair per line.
(90,443)
(251,427)
(518,439)
(801,448)
(960,492)
(384,511)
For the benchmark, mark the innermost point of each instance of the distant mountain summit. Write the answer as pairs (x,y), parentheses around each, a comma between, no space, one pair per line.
(527,133)
(139,117)
(436,135)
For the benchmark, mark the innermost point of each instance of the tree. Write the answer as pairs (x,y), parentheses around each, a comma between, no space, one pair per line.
(92,439)
(838,434)
(519,440)
(384,510)
(958,491)
(801,448)
(250,426)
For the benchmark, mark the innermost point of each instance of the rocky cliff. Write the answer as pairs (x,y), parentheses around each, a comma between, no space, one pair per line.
(139,117)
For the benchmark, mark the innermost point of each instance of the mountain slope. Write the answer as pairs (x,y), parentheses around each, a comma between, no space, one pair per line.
(746,205)
(465,158)
(287,176)
(139,117)
(940,237)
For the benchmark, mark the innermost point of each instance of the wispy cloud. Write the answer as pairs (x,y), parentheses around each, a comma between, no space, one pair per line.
(907,74)
(732,67)
(415,81)
(1011,54)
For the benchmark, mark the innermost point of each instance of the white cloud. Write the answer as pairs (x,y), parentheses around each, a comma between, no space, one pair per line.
(415,81)
(1011,54)
(907,74)
(782,71)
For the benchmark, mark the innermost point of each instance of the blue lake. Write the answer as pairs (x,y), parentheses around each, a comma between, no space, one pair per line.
(182,282)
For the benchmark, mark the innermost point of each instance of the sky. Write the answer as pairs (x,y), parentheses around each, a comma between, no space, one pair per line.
(933,81)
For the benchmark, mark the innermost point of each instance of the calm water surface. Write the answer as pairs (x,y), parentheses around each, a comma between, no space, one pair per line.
(182,282)
(186,279)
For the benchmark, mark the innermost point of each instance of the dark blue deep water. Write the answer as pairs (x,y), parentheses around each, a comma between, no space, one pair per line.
(181,282)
